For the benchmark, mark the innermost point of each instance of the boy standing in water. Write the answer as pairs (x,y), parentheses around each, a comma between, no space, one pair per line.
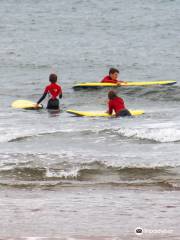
(117,104)
(112,77)
(54,91)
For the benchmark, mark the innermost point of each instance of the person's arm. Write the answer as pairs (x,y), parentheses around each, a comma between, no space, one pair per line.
(60,92)
(44,95)
(110,110)
(122,104)
(113,81)
(42,98)
(107,79)
(120,82)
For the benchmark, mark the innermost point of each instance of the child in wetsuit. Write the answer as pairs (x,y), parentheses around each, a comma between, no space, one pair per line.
(112,77)
(54,91)
(117,105)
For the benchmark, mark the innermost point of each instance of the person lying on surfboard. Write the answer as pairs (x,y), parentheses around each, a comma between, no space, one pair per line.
(117,105)
(112,77)
(54,91)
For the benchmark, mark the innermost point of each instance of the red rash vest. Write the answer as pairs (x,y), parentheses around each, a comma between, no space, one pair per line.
(54,90)
(107,79)
(116,104)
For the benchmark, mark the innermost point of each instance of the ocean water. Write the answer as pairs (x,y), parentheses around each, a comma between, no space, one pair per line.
(64,177)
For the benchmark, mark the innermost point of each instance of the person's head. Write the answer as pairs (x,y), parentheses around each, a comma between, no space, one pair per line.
(53,78)
(112,94)
(113,73)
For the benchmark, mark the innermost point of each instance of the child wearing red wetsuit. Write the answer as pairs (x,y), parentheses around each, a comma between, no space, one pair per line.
(112,77)
(117,105)
(54,91)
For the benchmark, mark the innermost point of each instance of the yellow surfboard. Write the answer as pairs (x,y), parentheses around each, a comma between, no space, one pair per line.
(125,84)
(25,104)
(100,113)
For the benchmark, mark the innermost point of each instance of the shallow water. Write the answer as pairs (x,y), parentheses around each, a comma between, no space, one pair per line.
(89,178)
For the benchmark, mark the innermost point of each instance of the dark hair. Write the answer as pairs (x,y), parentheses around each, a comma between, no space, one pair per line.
(111,94)
(113,70)
(53,78)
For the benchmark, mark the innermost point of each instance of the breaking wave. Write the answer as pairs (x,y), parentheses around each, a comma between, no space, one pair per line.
(92,173)
(152,134)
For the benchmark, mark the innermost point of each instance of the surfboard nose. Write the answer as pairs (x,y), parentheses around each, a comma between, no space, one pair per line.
(25,104)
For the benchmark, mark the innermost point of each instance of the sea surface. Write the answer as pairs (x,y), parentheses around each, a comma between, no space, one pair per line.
(65,177)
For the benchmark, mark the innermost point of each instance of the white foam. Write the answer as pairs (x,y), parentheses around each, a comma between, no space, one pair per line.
(14,133)
(159,135)
(66,174)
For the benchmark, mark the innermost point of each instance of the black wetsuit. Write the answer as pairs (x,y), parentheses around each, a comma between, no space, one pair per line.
(123,113)
(52,103)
